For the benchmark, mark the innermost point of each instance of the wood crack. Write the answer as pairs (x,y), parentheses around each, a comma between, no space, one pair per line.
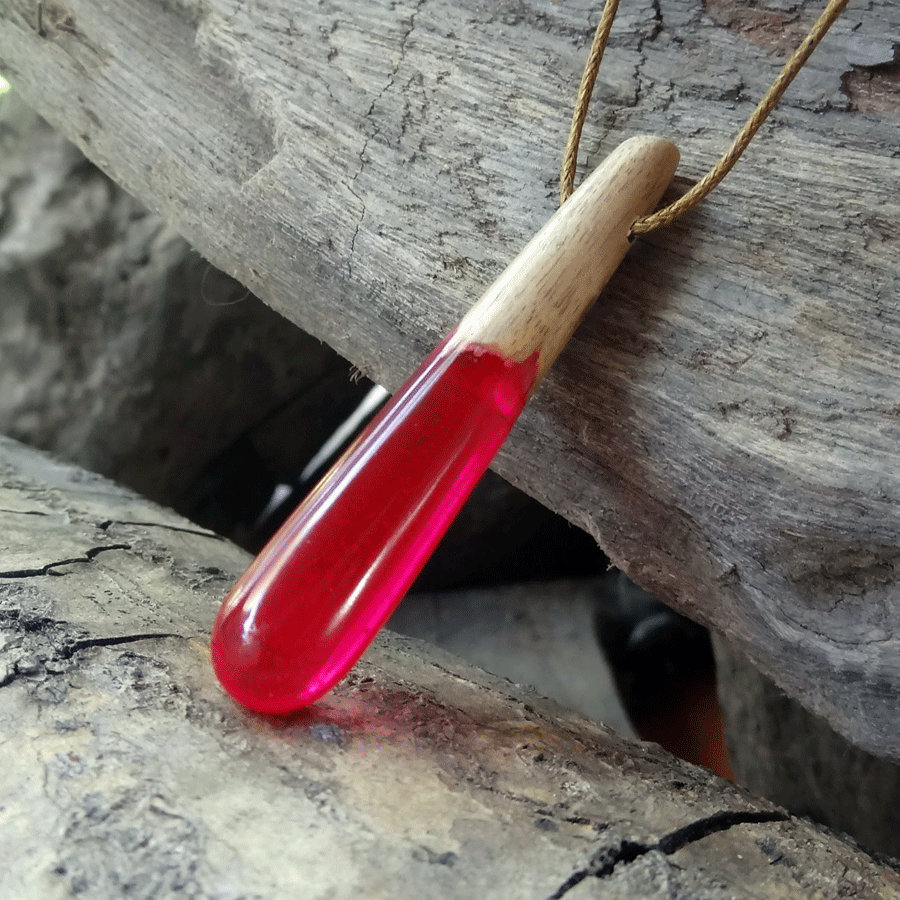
(68,650)
(47,569)
(106,525)
(410,26)
(604,862)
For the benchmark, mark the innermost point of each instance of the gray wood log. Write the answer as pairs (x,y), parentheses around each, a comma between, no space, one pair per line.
(128,773)
(725,422)
(780,751)
(121,348)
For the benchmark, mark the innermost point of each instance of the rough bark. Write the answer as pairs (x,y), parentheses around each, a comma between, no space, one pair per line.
(418,776)
(725,422)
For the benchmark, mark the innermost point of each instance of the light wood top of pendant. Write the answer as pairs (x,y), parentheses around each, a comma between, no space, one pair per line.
(539,300)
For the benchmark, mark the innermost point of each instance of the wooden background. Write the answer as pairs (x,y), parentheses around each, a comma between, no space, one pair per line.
(134,775)
(726,422)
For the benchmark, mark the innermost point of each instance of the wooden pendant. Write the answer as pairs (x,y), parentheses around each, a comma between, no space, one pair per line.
(537,303)
(317,594)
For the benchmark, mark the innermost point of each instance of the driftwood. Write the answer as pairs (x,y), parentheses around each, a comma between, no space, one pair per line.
(122,349)
(780,751)
(127,772)
(725,423)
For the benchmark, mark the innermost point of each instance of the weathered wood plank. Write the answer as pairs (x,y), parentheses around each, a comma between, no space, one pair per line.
(725,423)
(779,750)
(419,777)
(121,349)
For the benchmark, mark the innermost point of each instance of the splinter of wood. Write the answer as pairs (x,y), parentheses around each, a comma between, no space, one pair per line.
(316,596)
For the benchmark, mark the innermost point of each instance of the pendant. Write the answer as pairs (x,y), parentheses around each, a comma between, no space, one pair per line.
(318,593)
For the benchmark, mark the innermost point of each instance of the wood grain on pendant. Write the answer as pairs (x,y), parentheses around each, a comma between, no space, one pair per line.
(537,303)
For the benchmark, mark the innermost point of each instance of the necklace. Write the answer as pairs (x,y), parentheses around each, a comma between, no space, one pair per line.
(317,594)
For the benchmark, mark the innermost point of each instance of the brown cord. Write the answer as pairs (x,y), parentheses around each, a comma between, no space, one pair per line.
(583,101)
(731,156)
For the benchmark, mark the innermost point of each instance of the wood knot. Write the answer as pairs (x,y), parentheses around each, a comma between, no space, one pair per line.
(54,19)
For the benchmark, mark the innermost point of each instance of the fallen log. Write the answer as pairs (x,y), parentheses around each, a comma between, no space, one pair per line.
(134,775)
(725,423)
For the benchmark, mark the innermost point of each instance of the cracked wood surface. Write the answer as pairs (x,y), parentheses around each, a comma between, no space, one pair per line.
(725,422)
(128,772)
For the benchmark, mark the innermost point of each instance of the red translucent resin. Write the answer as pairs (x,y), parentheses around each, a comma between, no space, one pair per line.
(316,596)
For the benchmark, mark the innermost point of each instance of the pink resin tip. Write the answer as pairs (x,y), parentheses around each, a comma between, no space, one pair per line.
(318,593)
